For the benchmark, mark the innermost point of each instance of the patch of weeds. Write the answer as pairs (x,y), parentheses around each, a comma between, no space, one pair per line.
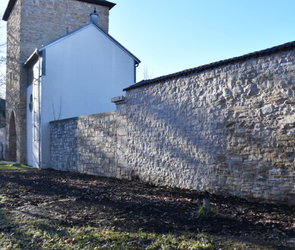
(101,239)
(3,199)
(44,225)
(21,167)
(18,232)
(193,244)
(203,212)
(5,242)
(11,236)
(170,241)
(45,233)
(3,219)
(32,233)
(95,238)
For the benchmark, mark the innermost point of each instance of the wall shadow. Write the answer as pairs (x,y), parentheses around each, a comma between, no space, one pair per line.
(71,199)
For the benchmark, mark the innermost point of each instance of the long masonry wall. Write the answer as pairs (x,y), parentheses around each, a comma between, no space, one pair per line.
(229,130)
(89,144)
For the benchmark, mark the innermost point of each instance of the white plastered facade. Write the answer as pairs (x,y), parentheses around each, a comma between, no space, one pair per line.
(75,75)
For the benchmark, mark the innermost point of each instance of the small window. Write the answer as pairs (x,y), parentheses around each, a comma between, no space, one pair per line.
(31,103)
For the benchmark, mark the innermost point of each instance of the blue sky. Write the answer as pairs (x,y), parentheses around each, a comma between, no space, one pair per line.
(169,36)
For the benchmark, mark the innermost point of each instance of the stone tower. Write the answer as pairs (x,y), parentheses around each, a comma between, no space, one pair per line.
(31,24)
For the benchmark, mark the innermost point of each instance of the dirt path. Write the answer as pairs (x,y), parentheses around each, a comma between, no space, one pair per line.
(71,199)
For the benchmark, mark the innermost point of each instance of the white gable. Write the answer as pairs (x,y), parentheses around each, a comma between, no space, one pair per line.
(87,65)
(81,73)
(82,32)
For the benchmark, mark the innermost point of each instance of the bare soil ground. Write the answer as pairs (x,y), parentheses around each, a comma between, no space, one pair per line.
(72,199)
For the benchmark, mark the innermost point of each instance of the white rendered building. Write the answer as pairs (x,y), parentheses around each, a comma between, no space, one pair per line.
(75,75)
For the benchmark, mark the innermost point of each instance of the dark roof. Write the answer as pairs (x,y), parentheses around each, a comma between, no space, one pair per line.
(265,52)
(11,4)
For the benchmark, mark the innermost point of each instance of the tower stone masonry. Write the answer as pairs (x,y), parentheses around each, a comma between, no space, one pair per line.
(31,24)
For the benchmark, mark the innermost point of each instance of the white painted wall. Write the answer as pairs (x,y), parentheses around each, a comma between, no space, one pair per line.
(33,118)
(83,72)
(29,128)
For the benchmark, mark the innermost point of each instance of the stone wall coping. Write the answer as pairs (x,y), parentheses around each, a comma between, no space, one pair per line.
(256,54)
(85,116)
(119,99)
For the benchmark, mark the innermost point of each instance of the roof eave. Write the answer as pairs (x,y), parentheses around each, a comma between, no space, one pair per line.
(136,60)
(100,2)
(33,57)
(11,4)
(8,10)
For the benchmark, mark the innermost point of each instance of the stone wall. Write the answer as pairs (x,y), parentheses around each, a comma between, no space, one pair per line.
(43,21)
(14,106)
(228,129)
(89,144)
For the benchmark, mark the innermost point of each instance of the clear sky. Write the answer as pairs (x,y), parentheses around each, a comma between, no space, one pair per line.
(169,36)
